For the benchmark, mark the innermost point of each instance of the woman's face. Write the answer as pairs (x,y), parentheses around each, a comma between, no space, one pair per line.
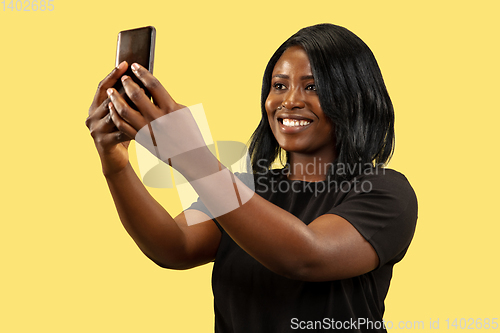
(294,111)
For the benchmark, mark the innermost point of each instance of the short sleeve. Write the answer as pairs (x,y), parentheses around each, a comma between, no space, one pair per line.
(199,205)
(383,208)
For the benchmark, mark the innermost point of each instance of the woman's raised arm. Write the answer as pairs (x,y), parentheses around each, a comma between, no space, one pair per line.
(167,241)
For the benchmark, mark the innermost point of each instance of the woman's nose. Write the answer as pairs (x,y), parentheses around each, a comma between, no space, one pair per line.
(294,99)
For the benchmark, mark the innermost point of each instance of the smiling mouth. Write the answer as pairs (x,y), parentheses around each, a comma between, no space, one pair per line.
(288,122)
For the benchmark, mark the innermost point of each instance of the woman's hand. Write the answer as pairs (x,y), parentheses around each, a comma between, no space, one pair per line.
(112,144)
(173,137)
(130,121)
(113,123)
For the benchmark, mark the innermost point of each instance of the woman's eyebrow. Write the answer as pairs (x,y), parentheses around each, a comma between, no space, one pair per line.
(281,76)
(284,76)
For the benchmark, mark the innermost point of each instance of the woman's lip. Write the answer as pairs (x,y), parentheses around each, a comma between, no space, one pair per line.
(284,115)
(292,129)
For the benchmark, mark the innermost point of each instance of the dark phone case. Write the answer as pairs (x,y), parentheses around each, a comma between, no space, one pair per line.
(135,45)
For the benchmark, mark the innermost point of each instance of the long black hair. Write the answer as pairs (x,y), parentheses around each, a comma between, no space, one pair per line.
(351,92)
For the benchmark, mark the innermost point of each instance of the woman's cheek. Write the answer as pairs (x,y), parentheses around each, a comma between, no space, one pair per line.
(269,109)
(272,103)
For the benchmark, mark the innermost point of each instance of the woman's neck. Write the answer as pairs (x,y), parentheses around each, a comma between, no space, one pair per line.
(309,168)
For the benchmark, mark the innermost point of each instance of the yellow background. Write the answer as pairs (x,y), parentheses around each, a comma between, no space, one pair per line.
(67,265)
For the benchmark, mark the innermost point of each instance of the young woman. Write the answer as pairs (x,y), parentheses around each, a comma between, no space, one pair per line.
(313,246)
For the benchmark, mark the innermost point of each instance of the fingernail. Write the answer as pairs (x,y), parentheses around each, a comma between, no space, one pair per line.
(125,77)
(109,91)
(135,66)
(121,65)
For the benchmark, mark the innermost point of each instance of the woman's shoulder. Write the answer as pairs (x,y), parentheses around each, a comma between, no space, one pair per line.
(382,205)
(384,188)
(385,178)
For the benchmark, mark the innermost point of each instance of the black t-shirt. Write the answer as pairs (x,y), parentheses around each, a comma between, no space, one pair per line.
(248,297)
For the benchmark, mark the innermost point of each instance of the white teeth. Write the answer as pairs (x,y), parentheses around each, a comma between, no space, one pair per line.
(295,123)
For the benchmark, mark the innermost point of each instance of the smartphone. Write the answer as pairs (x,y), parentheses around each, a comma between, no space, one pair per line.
(135,45)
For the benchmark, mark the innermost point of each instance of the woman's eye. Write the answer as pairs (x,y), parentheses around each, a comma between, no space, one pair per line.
(279,86)
(311,87)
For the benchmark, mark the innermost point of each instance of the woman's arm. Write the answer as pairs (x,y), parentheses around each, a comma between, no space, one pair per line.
(168,242)
(328,248)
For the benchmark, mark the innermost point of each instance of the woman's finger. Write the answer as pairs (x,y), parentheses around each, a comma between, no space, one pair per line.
(129,115)
(140,99)
(160,95)
(106,131)
(107,83)
(122,125)
(99,128)
(103,109)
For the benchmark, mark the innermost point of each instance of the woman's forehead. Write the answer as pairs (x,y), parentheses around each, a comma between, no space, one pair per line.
(294,59)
